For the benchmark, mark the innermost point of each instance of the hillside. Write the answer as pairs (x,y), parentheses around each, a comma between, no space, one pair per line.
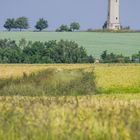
(94,42)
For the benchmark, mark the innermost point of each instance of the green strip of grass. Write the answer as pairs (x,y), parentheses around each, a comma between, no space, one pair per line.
(51,82)
(94,42)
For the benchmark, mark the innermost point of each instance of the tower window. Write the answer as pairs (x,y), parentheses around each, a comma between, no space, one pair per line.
(116,18)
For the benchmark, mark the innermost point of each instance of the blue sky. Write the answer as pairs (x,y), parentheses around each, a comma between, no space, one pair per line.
(90,13)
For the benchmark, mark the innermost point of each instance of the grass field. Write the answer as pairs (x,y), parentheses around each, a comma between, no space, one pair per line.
(113,117)
(117,78)
(95,43)
(28,111)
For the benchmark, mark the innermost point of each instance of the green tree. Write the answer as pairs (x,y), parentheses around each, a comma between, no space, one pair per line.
(42,52)
(23,43)
(63,28)
(41,24)
(9,24)
(136,57)
(21,23)
(10,52)
(104,55)
(114,58)
(74,26)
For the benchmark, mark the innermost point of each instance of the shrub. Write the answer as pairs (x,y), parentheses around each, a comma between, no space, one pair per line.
(42,52)
(114,58)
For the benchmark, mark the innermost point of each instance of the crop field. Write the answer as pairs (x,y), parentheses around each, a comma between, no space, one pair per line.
(70,102)
(94,42)
(117,78)
(113,117)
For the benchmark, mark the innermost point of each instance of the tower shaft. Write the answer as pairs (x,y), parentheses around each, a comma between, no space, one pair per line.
(113,20)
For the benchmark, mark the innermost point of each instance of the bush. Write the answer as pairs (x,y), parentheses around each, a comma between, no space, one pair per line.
(114,58)
(136,58)
(42,52)
(63,28)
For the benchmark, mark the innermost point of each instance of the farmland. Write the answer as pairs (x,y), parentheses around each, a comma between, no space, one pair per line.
(112,117)
(117,78)
(94,42)
(70,102)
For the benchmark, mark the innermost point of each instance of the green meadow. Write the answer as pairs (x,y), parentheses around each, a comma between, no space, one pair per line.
(94,42)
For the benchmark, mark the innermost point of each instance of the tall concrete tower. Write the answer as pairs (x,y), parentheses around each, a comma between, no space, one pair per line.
(113,20)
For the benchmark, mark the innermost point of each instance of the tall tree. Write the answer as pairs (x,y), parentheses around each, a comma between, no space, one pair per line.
(9,24)
(21,23)
(63,28)
(41,24)
(74,26)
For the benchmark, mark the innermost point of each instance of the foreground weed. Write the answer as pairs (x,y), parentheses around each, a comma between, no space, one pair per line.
(113,117)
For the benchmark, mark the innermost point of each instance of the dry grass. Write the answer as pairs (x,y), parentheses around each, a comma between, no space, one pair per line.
(52,81)
(17,70)
(99,117)
(118,78)
(113,117)
(110,78)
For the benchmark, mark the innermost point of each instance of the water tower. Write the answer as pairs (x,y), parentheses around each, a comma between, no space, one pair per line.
(113,18)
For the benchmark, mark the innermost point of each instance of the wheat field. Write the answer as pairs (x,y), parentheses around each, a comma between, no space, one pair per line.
(112,117)
(109,114)
(120,78)
(109,77)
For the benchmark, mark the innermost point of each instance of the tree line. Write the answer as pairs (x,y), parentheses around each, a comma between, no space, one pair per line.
(19,23)
(22,23)
(42,52)
(119,58)
(55,52)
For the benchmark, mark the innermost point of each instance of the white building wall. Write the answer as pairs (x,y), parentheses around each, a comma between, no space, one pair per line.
(113,21)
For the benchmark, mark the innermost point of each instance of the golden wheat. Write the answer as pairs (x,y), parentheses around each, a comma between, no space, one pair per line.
(17,70)
(103,117)
(109,77)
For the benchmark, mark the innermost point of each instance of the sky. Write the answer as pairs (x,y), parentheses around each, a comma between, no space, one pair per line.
(89,13)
